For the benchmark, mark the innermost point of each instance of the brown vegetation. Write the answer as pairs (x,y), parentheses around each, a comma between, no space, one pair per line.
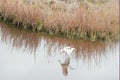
(75,19)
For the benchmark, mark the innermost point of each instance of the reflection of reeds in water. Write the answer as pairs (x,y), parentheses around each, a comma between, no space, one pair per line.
(20,38)
(85,50)
(30,40)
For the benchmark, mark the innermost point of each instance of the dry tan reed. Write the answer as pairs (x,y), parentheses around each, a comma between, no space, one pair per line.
(86,21)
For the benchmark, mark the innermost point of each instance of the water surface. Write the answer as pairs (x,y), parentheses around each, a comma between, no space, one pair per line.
(27,55)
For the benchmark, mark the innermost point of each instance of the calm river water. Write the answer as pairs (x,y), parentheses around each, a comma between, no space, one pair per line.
(26,55)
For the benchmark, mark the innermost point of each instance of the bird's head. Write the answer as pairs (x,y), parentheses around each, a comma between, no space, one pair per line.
(72,49)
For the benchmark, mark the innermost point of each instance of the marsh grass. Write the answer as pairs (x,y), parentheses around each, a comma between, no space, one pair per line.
(87,21)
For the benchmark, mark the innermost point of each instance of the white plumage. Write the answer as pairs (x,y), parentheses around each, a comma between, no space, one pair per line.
(68,50)
(65,55)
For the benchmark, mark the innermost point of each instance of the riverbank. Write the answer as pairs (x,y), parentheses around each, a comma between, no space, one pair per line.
(74,19)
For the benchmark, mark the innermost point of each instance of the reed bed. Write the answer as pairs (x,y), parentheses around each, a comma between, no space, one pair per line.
(73,19)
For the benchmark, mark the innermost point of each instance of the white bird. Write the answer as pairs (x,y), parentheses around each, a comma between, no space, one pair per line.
(65,55)
(68,50)
(64,59)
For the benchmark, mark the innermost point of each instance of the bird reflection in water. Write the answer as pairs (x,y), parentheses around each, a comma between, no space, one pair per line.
(64,59)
